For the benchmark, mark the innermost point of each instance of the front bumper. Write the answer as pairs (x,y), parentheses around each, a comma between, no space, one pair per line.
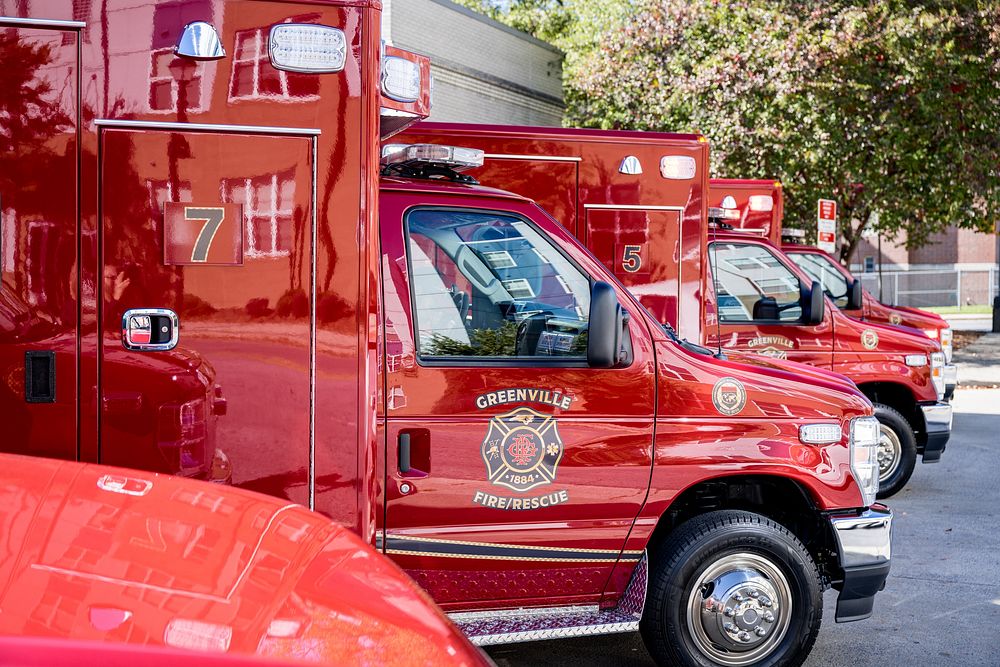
(865,541)
(937,425)
(950,380)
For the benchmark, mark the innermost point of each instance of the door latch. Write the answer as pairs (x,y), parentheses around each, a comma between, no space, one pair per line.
(150,330)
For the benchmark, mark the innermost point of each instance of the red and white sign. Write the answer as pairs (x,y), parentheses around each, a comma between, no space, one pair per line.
(826,225)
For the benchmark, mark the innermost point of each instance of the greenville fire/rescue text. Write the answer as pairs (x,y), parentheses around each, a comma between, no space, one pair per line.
(502,503)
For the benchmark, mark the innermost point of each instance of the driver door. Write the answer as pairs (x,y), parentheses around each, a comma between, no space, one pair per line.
(759,305)
(513,470)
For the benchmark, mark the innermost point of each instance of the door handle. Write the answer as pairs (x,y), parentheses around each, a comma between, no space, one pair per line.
(413,453)
(404,452)
(150,330)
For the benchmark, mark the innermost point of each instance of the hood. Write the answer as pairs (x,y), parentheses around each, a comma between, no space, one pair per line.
(112,555)
(855,335)
(911,317)
(772,389)
(794,368)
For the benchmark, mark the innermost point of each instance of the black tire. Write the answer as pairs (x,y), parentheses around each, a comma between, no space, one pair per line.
(706,542)
(904,447)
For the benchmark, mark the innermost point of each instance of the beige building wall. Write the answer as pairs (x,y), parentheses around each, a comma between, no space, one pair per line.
(484,71)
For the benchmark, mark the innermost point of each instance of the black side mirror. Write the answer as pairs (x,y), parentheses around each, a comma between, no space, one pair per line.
(855,297)
(813,304)
(766,308)
(607,327)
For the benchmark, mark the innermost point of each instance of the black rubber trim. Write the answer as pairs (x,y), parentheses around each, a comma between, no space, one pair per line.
(857,591)
(936,444)
(455,549)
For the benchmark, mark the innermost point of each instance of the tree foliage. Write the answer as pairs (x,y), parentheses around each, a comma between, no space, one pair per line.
(889,107)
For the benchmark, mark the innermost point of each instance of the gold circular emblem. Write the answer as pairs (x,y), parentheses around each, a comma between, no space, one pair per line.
(729,396)
(895,318)
(869,339)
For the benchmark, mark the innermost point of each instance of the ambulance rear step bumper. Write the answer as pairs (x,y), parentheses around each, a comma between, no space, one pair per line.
(511,626)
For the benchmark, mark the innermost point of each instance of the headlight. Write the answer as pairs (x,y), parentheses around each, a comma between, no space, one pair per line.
(946,347)
(937,373)
(819,434)
(864,456)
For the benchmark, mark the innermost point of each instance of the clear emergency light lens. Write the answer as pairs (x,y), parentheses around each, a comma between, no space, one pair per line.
(819,434)
(400,79)
(453,157)
(937,373)
(677,167)
(864,456)
(301,47)
(946,344)
(761,203)
(916,360)
(729,202)
(716,213)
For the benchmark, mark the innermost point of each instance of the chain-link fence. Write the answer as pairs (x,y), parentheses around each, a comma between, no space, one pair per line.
(921,289)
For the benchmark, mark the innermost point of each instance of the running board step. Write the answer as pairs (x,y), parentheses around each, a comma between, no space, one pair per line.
(509,626)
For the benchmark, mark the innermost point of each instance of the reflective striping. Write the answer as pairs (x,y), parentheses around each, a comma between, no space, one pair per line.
(414,546)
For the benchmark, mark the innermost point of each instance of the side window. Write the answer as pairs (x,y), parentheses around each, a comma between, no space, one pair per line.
(821,269)
(490,285)
(752,285)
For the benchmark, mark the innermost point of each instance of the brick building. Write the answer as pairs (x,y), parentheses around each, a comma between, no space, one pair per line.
(484,71)
(957,267)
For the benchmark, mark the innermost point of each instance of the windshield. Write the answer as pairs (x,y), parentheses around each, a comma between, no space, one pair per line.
(823,269)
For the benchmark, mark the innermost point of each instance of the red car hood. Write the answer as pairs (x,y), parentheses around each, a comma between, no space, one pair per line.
(96,553)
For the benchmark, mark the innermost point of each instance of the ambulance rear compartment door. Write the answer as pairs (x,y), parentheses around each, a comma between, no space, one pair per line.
(641,246)
(216,227)
(39,236)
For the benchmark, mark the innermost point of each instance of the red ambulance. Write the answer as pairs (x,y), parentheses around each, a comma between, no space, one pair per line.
(437,364)
(640,202)
(758,205)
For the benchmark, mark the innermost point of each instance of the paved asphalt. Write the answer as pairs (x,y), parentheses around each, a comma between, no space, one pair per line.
(941,605)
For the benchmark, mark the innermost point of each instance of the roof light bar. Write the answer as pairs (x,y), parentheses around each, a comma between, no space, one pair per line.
(456,158)
(400,79)
(306,47)
(717,213)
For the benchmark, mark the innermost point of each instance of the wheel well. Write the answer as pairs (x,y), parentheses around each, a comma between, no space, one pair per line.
(778,498)
(897,397)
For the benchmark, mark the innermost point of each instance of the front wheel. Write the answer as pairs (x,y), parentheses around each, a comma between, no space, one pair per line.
(732,588)
(897,450)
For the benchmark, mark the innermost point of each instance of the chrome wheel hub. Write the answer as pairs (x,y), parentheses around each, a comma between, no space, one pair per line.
(739,609)
(890,452)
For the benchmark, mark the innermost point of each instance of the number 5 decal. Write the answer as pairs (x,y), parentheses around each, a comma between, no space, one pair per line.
(212,217)
(631,259)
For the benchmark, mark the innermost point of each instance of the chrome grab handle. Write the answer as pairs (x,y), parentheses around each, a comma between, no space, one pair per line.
(150,330)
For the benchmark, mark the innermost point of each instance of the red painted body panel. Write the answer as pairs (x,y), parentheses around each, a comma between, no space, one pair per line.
(111,555)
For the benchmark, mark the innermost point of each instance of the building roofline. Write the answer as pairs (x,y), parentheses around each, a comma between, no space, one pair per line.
(497,24)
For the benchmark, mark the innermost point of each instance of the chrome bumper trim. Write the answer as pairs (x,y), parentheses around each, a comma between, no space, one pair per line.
(937,417)
(865,539)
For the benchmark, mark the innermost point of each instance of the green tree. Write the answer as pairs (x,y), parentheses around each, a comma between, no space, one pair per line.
(891,107)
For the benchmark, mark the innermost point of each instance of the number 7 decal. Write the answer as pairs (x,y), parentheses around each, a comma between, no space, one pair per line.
(212,217)
(202,235)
